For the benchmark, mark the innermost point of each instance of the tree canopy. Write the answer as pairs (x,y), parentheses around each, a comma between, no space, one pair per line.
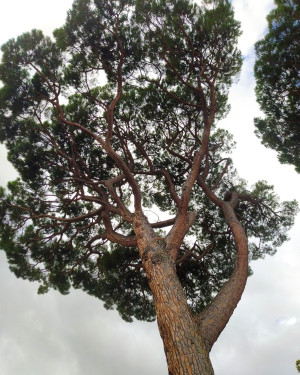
(277,73)
(119,111)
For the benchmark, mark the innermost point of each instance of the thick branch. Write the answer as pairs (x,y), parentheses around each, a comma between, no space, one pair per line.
(182,219)
(176,235)
(214,318)
(163,224)
(111,107)
(115,237)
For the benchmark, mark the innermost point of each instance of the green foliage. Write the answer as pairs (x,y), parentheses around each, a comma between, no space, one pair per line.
(278,82)
(65,221)
(298,365)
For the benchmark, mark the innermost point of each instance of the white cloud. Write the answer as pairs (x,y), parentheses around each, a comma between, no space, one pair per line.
(17,16)
(252,14)
(10,173)
(287,321)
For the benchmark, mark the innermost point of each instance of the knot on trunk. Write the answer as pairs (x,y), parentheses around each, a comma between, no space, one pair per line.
(156,252)
(159,257)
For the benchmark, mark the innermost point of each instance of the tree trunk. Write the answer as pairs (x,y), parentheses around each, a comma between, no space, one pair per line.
(186,351)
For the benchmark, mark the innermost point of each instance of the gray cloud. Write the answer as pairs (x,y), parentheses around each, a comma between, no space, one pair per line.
(74,334)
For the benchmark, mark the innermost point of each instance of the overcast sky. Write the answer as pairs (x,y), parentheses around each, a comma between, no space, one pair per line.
(74,334)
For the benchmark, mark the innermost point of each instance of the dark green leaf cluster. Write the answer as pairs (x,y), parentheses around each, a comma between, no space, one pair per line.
(278,82)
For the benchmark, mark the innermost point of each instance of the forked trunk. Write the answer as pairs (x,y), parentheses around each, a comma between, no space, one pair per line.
(185,349)
(187,338)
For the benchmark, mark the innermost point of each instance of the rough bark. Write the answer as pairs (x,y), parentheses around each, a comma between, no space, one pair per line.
(184,346)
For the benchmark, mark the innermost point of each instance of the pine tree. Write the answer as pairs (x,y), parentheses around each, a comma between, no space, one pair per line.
(278,82)
(117,118)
